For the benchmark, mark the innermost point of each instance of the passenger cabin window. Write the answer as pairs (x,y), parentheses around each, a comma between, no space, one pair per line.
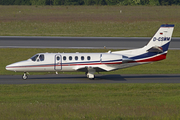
(82,57)
(88,58)
(76,57)
(64,57)
(58,58)
(70,57)
(38,58)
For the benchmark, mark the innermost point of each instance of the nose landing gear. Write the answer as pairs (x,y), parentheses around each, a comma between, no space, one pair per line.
(24,76)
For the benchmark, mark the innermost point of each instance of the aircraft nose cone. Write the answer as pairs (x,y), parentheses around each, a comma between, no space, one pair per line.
(18,66)
(8,67)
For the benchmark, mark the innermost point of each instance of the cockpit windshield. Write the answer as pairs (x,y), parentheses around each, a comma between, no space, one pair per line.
(34,57)
(37,57)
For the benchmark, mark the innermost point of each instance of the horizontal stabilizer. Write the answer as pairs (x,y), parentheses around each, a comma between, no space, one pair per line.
(156,49)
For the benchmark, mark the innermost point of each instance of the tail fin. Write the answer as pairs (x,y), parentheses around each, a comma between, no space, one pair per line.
(161,40)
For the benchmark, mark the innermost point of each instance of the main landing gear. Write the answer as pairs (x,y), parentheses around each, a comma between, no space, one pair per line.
(90,73)
(24,76)
(90,76)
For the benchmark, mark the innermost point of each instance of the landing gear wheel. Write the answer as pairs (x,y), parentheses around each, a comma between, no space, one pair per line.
(90,76)
(24,76)
(90,73)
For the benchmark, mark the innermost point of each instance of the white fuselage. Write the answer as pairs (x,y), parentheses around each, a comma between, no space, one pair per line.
(71,62)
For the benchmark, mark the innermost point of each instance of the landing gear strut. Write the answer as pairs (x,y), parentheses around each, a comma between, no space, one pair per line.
(24,76)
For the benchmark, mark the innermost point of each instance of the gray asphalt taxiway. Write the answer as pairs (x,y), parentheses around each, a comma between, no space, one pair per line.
(79,42)
(100,78)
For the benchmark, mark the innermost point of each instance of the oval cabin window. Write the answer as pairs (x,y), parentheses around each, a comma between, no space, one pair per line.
(82,57)
(70,57)
(64,57)
(76,57)
(88,58)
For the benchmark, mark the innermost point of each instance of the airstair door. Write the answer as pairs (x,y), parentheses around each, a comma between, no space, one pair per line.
(58,62)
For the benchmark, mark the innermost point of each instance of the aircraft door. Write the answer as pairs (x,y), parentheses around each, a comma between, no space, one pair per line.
(58,62)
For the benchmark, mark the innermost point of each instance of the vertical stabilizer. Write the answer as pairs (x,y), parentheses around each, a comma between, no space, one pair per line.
(162,38)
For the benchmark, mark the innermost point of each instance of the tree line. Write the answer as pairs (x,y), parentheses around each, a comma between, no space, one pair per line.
(90,2)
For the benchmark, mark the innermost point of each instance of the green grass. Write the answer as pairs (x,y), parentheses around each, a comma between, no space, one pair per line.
(90,101)
(83,29)
(100,21)
(170,65)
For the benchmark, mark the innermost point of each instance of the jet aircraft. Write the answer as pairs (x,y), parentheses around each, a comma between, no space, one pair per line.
(90,63)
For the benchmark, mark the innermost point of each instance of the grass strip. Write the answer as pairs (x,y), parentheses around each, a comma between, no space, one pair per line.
(94,21)
(90,101)
(83,29)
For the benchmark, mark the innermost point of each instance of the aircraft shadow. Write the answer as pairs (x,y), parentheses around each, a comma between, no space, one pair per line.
(100,77)
(114,77)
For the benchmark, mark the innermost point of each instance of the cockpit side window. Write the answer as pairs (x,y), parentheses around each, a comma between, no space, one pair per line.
(38,58)
(41,57)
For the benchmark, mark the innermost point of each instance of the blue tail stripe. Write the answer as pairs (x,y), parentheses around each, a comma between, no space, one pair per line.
(165,47)
(150,54)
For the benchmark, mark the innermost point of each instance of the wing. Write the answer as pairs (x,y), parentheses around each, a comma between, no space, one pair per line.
(97,68)
(86,69)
